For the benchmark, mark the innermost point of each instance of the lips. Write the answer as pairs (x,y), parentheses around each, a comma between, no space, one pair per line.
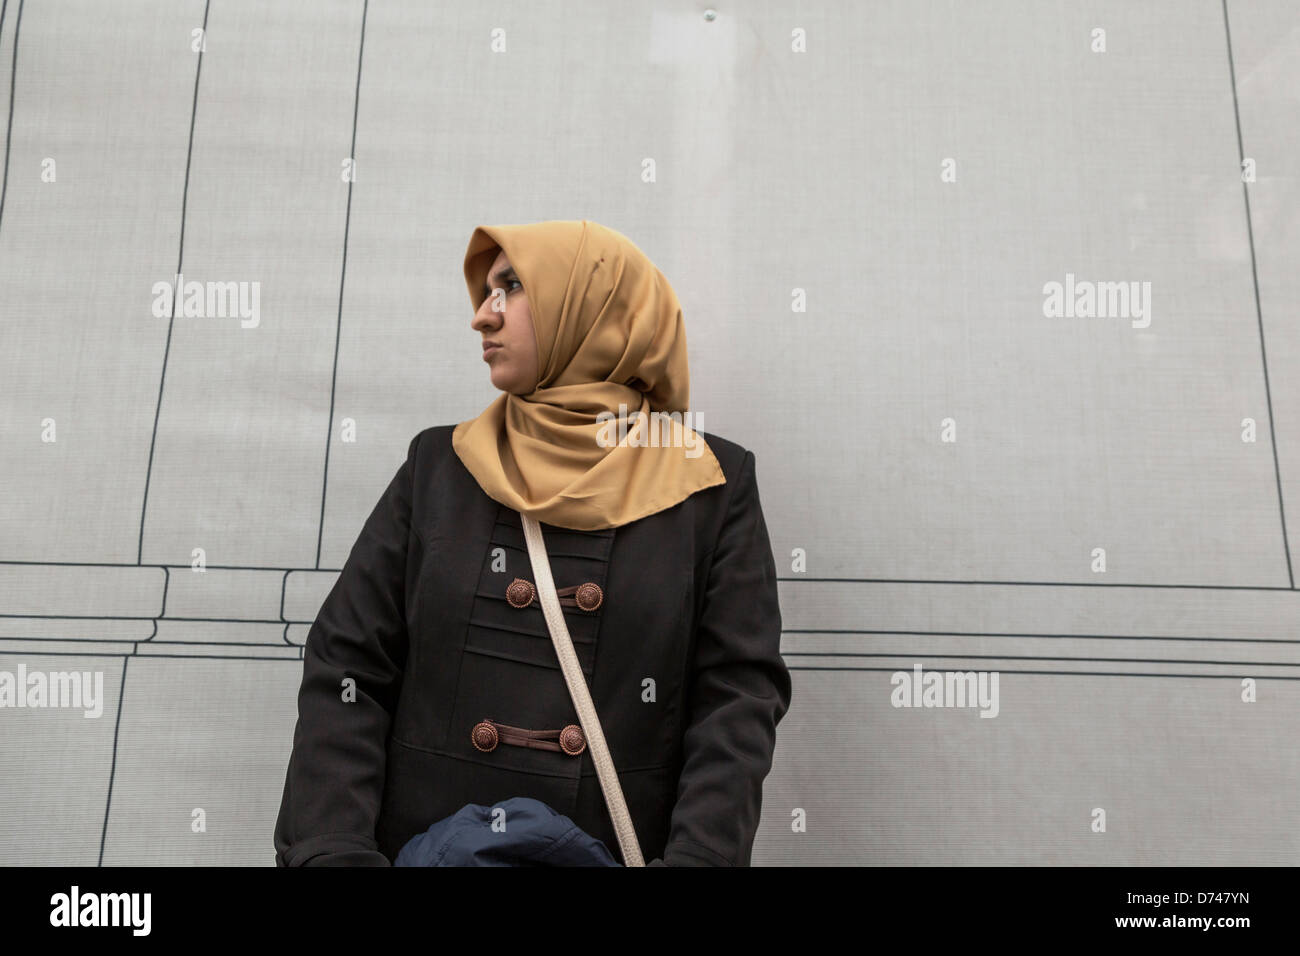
(489,348)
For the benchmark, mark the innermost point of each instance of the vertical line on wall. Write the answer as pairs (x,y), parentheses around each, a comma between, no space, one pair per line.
(13,78)
(180,258)
(112,768)
(1259,313)
(338,324)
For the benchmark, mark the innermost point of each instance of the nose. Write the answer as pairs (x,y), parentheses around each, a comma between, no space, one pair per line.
(485,320)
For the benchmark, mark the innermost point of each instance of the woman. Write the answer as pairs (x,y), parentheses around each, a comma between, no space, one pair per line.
(429,678)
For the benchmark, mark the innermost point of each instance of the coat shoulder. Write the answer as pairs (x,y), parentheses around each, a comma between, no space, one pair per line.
(730,455)
(435,436)
(710,505)
(431,445)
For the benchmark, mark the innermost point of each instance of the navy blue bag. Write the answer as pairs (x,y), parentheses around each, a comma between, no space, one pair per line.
(533,835)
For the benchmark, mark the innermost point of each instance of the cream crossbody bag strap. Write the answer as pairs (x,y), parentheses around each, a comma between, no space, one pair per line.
(627,841)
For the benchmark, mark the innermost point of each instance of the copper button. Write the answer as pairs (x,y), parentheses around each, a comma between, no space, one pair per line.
(520,593)
(484,736)
(589,596)
(572,740)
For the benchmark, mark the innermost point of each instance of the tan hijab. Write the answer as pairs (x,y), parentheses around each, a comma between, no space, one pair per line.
(609,331)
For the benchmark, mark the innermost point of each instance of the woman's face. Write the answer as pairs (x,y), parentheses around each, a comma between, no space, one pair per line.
(506,324)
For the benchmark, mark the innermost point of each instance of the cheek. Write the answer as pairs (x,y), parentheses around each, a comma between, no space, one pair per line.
(527,338)
(506,367)
(513,328)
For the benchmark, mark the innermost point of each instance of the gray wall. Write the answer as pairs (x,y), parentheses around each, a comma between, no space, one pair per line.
(775,171)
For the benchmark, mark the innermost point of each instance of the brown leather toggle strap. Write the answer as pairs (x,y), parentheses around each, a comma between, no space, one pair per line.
(488,733)
(587,596)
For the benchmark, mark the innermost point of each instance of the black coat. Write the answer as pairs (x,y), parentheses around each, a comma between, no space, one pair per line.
(419,619)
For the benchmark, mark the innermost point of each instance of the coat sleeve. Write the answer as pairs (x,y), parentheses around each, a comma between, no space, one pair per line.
(739,690)
(335,778)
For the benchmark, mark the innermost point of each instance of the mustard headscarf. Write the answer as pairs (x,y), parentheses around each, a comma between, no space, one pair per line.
(609,332)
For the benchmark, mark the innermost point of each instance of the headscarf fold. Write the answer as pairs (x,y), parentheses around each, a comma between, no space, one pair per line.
(609,334)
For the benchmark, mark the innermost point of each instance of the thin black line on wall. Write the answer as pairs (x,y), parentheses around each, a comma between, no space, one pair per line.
(909,655)
(898,632)
(1041,584)
(338,324)
(13,76)
(1001,670)
(112,768)
(1259,312)
(180,259)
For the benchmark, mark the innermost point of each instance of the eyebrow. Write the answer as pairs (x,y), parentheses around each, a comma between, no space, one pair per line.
(500,275)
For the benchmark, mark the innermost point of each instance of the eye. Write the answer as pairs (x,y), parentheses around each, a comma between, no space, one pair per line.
(510,282)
